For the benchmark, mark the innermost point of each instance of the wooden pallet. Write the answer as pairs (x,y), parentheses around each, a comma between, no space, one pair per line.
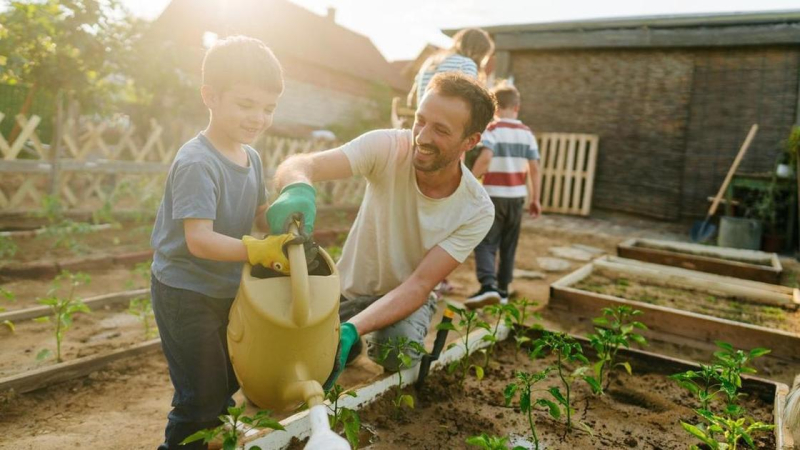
(568,162)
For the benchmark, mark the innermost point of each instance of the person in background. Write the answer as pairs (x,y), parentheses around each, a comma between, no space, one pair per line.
(508,154)
(470,54)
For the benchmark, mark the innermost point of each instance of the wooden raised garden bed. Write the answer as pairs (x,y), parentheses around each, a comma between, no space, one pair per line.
(686,305)
(738,263)
(642,410)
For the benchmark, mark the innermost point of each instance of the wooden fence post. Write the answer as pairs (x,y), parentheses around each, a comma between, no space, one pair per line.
(55,144)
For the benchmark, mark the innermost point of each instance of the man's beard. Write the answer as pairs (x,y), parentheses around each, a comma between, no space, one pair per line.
(436,163)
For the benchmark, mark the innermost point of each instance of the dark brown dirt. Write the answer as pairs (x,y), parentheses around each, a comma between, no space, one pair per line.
(640,411)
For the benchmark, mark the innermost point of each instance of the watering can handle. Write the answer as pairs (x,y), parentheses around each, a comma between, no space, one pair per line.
(299,274)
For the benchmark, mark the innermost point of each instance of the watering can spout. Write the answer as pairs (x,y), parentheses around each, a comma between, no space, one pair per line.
(299,275)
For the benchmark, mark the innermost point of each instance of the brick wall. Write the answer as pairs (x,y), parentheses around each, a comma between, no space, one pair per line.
(654,115)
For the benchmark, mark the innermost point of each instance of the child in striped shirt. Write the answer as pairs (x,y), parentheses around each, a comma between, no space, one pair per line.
(508,159)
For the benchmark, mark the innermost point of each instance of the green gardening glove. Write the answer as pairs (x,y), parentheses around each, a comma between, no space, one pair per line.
(296,202)
(348,337)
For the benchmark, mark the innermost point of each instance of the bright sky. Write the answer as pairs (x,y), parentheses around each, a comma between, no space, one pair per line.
(400,29)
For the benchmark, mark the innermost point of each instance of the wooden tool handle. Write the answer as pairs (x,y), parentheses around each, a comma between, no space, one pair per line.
(733,168)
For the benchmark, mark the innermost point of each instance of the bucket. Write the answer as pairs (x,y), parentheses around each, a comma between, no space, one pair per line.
(739,232)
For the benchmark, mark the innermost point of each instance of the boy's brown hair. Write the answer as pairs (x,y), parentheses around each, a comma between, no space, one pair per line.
(481,102)
(242,59)
(507,95)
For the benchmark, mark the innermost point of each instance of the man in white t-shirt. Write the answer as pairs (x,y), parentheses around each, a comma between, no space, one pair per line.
(423,213)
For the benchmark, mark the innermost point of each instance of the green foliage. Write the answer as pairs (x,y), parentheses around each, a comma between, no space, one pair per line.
(62,231)
(487,442)
(142,307)
(704,384)
(731,430)
(399,347)
(516,318)
(499,313)
(8,296)
(523,388)
(234,426)
(468,321)
(64,45)
(567,350)
(613,330)
(63,308)
(346,417)
(8,248)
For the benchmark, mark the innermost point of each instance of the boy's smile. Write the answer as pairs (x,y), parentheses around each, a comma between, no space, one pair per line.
(241,112)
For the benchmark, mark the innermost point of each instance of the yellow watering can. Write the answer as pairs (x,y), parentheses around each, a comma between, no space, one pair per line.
(283,334)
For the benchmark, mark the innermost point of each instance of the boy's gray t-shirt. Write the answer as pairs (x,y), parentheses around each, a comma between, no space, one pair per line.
(204,184)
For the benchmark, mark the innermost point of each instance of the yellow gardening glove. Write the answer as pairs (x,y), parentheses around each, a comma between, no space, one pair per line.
(269,252)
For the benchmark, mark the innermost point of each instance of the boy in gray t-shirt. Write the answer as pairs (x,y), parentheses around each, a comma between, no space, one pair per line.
(213,196)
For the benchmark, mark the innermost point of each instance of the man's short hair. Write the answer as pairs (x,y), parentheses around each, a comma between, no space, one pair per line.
(242,59)
(481,102)
(506,94)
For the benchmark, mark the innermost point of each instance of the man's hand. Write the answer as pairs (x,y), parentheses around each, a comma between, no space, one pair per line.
(270,252)
(535,208)
(347,337)
(296,202)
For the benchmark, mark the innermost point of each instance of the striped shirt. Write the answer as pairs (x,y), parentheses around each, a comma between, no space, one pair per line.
(512,145)
(453,63)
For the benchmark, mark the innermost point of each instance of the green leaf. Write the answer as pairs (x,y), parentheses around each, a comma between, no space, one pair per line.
(556,393)
(10,325)
(509,392)
(699,434)
(553,409)
(478,372)
(446,326)
(627,367)
(43,354)
(759,351)
(594,384)
(407,400)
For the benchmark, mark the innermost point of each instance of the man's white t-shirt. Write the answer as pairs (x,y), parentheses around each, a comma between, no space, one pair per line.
(397,224)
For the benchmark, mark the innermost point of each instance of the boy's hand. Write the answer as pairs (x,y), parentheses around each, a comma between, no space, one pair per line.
(270,252)
(296,202)
(347,337)
(535,208)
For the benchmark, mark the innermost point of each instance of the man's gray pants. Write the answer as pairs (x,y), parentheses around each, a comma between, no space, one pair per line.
(414,327)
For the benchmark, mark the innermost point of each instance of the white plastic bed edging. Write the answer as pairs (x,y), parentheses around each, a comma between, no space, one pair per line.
(298,426)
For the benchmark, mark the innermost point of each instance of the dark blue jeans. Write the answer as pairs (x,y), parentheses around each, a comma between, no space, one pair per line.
(503,236)
(193,330)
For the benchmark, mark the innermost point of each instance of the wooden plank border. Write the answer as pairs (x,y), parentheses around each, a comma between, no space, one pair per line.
(746,264)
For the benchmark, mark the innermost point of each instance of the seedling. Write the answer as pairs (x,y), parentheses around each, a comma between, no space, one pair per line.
(234,426)
(733,363)
(499,313)
(487,442)
(567,350)
(468,321)
(524,388)
(400,347)
(8,248)
(516,317)
(142,307)
(9,296)
(63,308)
(63,231)
(613,330)
(704,384)
(348,418)
(732,430)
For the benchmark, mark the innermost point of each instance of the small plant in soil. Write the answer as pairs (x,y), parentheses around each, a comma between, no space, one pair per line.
(613,330)
(8,248)
(732,431)
(9,296)
(733,363)
(234,426)
(567,351)
(498,313)
(487,442)
(61,230)
(346,417)
(468,321)
(142,307)
(704,384)
(524,388)
(400,347)
(516,317)
(63,308)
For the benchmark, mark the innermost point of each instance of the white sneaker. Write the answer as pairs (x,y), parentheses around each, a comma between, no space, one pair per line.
(488,295)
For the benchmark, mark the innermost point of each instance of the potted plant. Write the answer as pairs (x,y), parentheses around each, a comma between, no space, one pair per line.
(765,210)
